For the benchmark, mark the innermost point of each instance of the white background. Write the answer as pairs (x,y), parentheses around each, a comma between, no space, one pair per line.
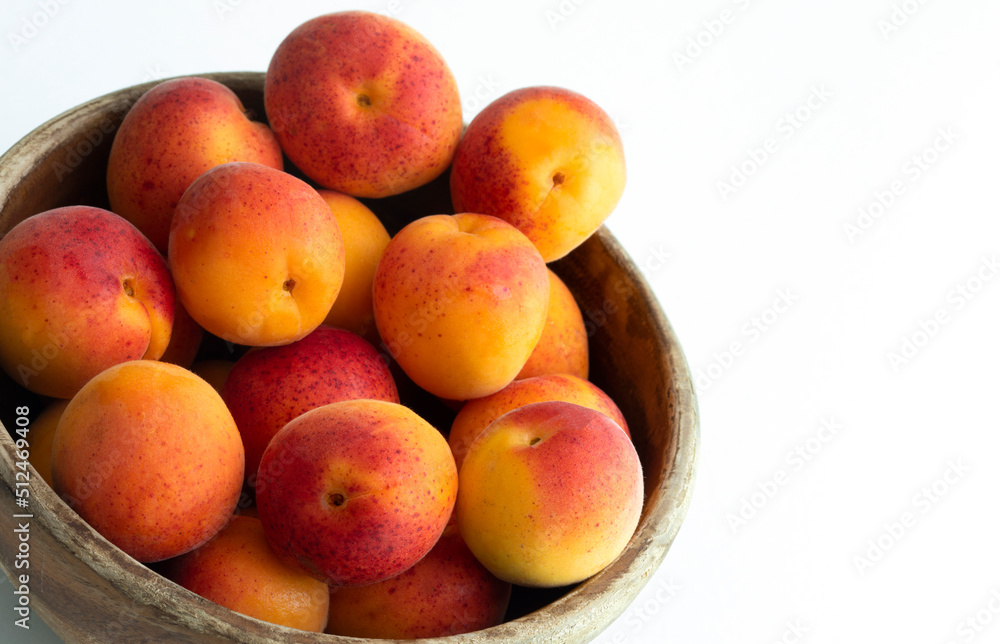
(815,558)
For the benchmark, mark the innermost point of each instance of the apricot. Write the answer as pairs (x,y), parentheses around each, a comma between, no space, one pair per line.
(545,159)
(356,492)
(460,302)
(237,569)
(363,104)
(81,289)
(43,431)
(365,239)
(549,494)
(563,346)
(270,386)
(256,254)
(476,415)
(150,457)
(173,134)
(445,593)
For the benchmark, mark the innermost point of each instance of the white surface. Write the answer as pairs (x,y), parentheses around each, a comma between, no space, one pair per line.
(791,572)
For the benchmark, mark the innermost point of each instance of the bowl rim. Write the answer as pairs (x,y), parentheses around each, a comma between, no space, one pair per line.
(664,508)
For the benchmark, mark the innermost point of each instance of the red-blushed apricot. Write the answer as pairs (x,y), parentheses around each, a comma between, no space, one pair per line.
(363,104)
(545,159)
(150,457)
(365,239)
(549,494)
(270,386)
(174,133)
(238,570)
(460,302)
(446,593)
(81,289)
(356,492)
(256,254)
(476,415)
(563,346)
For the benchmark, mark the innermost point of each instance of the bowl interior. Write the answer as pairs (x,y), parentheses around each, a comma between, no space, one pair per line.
(635,358)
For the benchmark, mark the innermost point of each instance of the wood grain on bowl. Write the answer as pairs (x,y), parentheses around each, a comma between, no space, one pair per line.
(88,590)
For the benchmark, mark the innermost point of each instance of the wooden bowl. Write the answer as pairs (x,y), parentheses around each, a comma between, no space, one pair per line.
(88,590)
